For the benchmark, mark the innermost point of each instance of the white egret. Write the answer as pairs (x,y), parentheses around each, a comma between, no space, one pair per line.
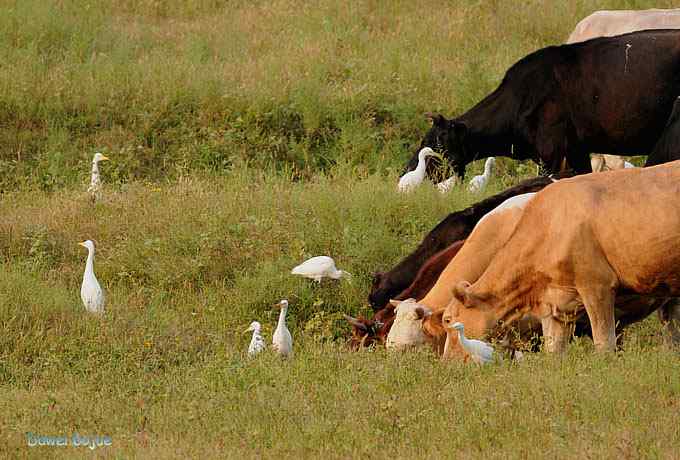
(319,267)
(257,343)
(95,181)
(445,186)
(90,291)
(479,183)
(412,179)
(627,164)
(282,341)
(480,352)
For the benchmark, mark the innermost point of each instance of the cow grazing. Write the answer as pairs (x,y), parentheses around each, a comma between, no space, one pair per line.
(456,226)
(490,234)
(369,331)
(564,258)
(609,95)
(609,23)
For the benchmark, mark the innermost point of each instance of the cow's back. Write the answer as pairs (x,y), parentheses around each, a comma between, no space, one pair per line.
(607,23)
(619,91)
(631,217)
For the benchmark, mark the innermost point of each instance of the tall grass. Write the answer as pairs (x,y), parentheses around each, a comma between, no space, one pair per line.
(169,87)
(244,138)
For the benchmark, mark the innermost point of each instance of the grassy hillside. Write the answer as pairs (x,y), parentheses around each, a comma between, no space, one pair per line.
(244,139)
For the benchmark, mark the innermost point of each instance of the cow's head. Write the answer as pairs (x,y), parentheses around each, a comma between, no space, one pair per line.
(414,325)
(470,309)
(449,138)
(367,332)
(382,290)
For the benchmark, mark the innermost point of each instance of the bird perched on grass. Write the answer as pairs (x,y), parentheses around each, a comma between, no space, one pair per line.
(282,341)
(414,178)
(319,267)
(90,291)
(479,183)
(445,186)
(95,181)
(627,164)
(480,352)
(257,343)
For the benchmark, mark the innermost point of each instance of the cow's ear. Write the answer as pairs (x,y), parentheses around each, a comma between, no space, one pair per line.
(437,119)
(422,312)
(461,292)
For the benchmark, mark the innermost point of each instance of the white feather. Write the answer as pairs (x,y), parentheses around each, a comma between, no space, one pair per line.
(90,291)
(282,341)
(414,178)
(480,352)
(257,343)
(479,183)
(319,267)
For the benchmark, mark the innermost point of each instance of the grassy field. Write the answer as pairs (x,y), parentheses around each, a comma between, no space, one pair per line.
(244,139)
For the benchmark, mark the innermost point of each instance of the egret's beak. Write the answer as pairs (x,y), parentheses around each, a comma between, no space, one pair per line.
(104,158)
(82,244)
(247,330)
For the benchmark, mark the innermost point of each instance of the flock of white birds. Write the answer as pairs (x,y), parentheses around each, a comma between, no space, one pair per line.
(315,268)
(413,179)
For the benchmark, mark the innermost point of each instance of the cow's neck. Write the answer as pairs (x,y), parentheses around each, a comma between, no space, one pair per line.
(490,127)
(515,293)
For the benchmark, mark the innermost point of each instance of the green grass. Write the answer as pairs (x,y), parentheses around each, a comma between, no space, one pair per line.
(244,139)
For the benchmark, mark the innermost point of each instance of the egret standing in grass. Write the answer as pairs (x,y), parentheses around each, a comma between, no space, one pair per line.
(282,341)
(319,267)
(257,341)
(480,352)
(445,186)
(414,178)
(95,181)
(90,291)
(479,183)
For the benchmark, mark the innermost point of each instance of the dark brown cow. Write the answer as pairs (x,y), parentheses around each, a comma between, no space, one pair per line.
(608,95)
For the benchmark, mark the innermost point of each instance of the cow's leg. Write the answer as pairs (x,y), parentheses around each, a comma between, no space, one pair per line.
(669,315)
(555,334)
(599,303)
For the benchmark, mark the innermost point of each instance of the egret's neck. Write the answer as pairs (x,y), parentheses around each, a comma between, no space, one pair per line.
(488,166)
(95,168)
(422,164)
(461,337)
(282,316)
(89,265)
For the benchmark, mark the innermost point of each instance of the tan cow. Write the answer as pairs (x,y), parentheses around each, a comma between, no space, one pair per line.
(489,235)
(579,243)
(609,23)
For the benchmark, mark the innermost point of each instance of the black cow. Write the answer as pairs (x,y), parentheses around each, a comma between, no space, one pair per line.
(456,226)
(608,95)
(668,146)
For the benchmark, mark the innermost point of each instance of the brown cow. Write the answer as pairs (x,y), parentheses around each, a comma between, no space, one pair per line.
(488,236)
(580,242)
(366,332)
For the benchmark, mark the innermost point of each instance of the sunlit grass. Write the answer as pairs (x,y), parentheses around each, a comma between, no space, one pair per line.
(245,137)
